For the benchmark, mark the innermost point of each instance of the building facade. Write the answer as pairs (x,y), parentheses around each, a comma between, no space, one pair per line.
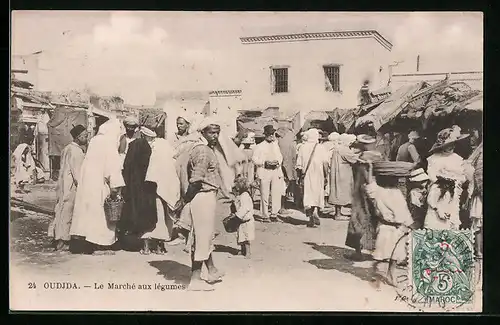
(313,71)
(225,106)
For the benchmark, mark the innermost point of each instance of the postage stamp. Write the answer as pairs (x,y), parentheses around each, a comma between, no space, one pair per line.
(442,269)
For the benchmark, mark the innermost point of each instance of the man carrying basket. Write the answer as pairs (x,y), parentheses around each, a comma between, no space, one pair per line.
(100,179)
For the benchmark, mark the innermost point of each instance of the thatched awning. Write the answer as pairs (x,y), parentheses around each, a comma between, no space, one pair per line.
(391,106)
(151,117)
(22,84)
(255,125)
(474,104)
(444,99)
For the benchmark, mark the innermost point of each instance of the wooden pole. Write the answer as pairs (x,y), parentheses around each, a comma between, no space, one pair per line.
(418,63)
(90,119)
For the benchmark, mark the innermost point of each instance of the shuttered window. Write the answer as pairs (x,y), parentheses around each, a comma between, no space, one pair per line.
(280,80)
(332,78)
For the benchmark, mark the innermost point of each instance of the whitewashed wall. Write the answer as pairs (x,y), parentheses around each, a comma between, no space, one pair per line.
(225,109)
(359,59)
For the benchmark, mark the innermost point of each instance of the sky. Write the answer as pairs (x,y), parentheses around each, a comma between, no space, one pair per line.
(137,54)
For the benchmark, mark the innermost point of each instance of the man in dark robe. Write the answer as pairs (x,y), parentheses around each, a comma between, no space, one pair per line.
(361,231)
(139,211)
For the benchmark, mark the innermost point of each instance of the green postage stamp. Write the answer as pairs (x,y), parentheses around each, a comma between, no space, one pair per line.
(441,269)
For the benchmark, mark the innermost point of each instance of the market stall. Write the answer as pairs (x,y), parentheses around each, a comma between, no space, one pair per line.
(254,121)
(337,120)
(59,126)
(427,109)
(153,119)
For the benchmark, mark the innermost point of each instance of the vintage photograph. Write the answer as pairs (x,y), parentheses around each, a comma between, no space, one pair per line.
(246,161)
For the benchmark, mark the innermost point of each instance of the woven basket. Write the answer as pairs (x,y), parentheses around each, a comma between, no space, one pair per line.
(392,168)
(231,223)
(113,209)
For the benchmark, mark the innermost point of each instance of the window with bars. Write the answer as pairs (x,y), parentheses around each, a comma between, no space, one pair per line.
(332,77)
(279,80)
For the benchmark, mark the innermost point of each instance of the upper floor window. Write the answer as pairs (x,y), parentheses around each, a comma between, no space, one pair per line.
(279,76)
(332,77)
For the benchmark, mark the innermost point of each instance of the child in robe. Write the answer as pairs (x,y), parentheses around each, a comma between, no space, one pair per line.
(248,165)
(244,211)
(394,220)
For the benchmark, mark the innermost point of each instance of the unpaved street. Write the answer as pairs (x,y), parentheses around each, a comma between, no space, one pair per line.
(293,268)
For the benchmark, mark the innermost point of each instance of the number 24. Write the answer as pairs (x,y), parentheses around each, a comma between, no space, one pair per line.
(31,285)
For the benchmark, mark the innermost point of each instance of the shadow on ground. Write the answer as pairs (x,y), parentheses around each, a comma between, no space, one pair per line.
(338,262)
(29,243)
(294,222)
(173,271)
(226,249)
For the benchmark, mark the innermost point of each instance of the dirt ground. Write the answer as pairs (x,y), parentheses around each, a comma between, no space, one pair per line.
(293,268)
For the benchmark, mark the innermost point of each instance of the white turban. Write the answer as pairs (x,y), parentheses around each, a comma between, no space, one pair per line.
(312,135)
(148,132)
(333,136)
(188,118)
(131,120)
(206,122)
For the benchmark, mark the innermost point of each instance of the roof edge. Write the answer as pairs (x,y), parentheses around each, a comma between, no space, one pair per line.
(319,36)
(225,92)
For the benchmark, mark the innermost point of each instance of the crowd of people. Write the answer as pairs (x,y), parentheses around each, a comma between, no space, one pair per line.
(177,190)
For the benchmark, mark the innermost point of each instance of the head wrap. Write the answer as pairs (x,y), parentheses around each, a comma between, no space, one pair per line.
(312,135)
(111,130)
(77,130)
(206,122)
(148,132)
(413,135)
(188,119)
(365,139)
(185,117)
(333,136)
(131,121)
(19,151)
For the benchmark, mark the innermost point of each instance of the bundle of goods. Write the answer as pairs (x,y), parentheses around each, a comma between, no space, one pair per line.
(392,168)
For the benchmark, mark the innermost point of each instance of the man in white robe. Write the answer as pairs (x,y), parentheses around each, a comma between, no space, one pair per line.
(100,177)
(71,161)
(313,175)
(161,170)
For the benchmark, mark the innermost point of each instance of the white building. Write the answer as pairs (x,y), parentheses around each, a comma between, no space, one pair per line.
(313,71)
